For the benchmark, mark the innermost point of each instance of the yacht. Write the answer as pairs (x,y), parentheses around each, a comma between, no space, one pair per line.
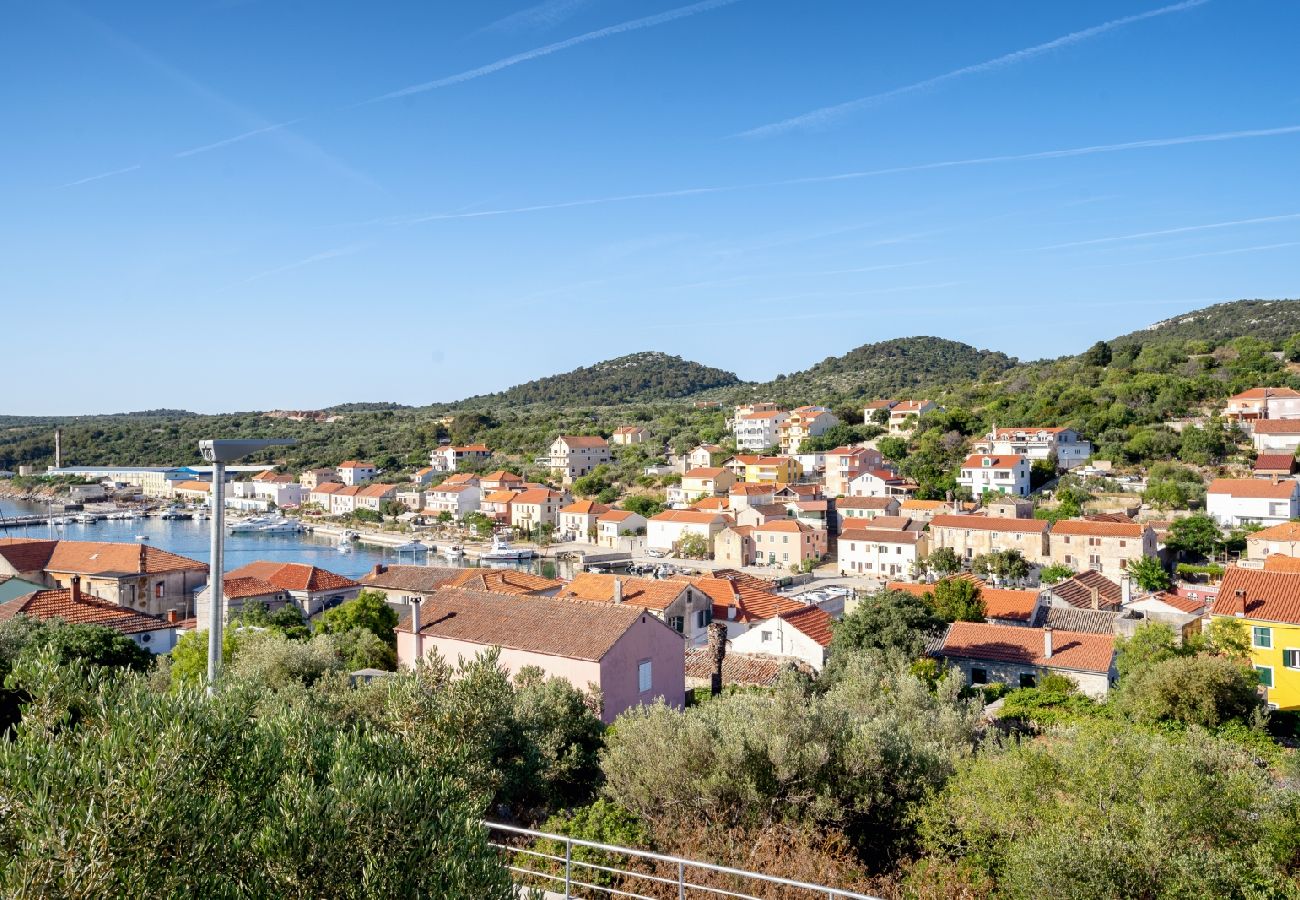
(244,526)
(86,518)
(453,552)
(411,547)
(501,550)
(176,512)
(282,526)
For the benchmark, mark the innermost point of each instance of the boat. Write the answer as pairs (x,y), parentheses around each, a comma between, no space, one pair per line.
(349,536)
(244,526)
(176,512)
(412,547)
(86,518)
(453,552)
(501,550)
(283,526)
(142,537)
(344,546)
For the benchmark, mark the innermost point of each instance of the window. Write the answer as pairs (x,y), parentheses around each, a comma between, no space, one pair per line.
(643,675)
(677,623)
(979,676)
(1291,658)
(767,636)
(1265,674)
(1027,680)
(158,590)
(1261,637)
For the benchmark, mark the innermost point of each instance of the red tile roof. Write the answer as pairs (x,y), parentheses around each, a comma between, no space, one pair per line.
(741,599)
(637,592)
(247,586)
(864,502)
(878,535)
(879,523)
(94,557)
(692,516)
(1275,462)
(26,555)
(1092,528)
(1253,488)
(1261,393)
(990,523)
(502,581)
(986,461)
(1278,562)
(616,515)
(294,576)
(705,472)
(585,508)
(999,603)
(584,441)
(812,621)
(789,526)
(58,604)
(1271,596)
(1073,650)
(1277,426)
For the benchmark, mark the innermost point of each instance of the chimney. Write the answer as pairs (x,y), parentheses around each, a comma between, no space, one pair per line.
(717,644)
(1096,599)
(172,617)
(415,630)
(1126,589)
(58,448)
(74,586)
(1047,642)
(618,590)
(1275,478)
(380,569)
(1240,611)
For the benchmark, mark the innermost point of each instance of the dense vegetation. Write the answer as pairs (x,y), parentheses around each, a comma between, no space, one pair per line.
(1268,320)
(635,378)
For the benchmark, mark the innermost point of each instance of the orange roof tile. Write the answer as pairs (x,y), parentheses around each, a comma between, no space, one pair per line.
(1271,596)
(879,535)
(741,599)
(1014,644)
(99,557)
(293,576)
(585,508)
(987,461)
(812,621)
(502,581)
(58,604)
(247,586)
(1275,462)
(1279,562)
(988,523)
(584,441)
(1253,488)
(640,592)
(705,472)
(1277,426)
(692,516)
(1098,529)
(501,475)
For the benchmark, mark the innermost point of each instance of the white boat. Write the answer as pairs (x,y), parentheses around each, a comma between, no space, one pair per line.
(142,537)
(345,546)
(284,526)
(453,552)
(244,526)
(501,550)
(86,518)
(412,547)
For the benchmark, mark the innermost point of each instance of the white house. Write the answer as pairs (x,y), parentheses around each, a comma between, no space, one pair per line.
(1252,501)
(354,472)
(344,500)
(904,414)
(696,484)
(614,528)
(883,553)
(664,531)
(580,517)
(802,634)
(879,483)
(573,456)
(458,499)
(1068,447)
(626,435)
(702,456)
(1276,435)
(448,458)
(1264,403)
(758,430)
(536,506)
(1004,474)
(843,464)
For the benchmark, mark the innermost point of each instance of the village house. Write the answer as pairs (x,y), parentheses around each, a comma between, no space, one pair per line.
(1282,539)
(354,472)
(458,499)
(239,591)
(802,423)
(500,480)
(627,435)
(312,589)
(411,497)
(314,478)
(904,414)
(157,635)
(449,458)
(759,429)
(666,530)
(424,476)
(764,469)
(622,651)
(741,601)
(1268,605)
(880,483)
(193,491)
(1276,435)
(801,634)
(761,513)
(536,507)
(843,464)
(1089,590)
(734,546)
(743,496)
(573,456)
(1234,502)
(970,536)
(1064,445)
(884,553)
(496,505)
(1263,403)
(614,528)
(1007,474)
(850,511)
(923,510)
(138,576)
(1002,606)
(1105,547)
(374,496)
(702,456)
(685,608)
(1019,656)
(322,495)
(788,543)
(1268,465)
(700,483)
(579,519)
(343,502)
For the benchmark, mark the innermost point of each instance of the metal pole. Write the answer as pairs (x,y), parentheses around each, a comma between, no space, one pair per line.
(216,587)
(681,881)
(568,867)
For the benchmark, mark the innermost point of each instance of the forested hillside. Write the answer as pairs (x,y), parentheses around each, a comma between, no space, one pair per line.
(635,378)
(1267,320)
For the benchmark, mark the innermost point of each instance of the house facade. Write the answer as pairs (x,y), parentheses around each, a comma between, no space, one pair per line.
(786,542)
(152,633)
(756,430)
(803,635)
(1105,547)
(616,528)
(851,511)
(881,553)
(666,530)
(1263,403)
(579,519)
(804,422)
(1268,605)
(1233,502)
(449,458)
(627,435)
(1063,444)
(983,474)
(1276,435)
(535,507)
(843,464)
(970,536)
(1018,657)
(686,609)
(458,499)
(354,472)
(903,414)
(696,484)
(573,456)
(311,588)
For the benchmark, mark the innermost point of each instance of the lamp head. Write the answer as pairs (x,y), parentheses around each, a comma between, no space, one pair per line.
(226,451)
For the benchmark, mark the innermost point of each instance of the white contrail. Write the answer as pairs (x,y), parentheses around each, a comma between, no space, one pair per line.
(236,139)
(1167,231)
(99,176)
(827,113)
(662,18)
(544,15)
(870,173)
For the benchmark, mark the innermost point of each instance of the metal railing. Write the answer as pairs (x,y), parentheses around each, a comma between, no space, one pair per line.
(681,881)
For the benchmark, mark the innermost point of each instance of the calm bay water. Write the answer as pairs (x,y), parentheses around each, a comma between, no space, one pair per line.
(190,538)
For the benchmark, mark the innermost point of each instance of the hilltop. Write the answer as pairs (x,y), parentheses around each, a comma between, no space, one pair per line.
(635,378)
(1269,320)
(885,368)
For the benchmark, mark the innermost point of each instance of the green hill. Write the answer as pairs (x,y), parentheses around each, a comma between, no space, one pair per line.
(1269,320)
(886,368)
(635,378)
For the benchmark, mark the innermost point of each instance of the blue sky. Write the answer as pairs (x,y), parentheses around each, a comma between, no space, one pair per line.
(416,202)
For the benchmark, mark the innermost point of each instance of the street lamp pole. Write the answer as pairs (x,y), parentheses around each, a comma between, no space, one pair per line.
(219,453)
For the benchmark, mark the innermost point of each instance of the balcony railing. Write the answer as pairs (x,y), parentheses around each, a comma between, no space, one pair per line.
(663,877)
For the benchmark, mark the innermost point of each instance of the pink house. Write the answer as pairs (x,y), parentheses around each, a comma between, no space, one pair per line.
(622,650)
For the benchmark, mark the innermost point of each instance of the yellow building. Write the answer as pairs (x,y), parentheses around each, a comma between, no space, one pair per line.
(765,469)
(1268,605)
